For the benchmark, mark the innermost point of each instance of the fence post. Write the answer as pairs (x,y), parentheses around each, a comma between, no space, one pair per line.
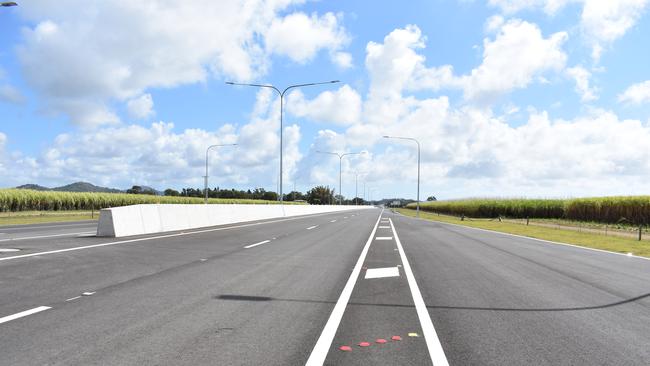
(640,230)
(527,220)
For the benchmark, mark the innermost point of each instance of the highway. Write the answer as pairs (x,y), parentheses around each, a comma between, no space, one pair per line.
(313,290)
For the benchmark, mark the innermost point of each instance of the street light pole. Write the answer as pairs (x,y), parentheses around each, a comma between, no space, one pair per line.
(418,143)
(281,93)
(340,168)
(206,166)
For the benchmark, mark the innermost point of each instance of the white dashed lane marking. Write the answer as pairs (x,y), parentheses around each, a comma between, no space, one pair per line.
(382,272)
(23,314)
(256,244)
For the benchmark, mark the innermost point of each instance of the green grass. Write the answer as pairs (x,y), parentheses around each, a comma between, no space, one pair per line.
(37,217)
(627,210)
(610,243)
(13,200)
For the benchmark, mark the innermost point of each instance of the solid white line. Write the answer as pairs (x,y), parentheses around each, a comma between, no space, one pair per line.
(158,237)
(381,272)
(319,353)
(256,244)
(47,236)
(27,226)
(436,352)
(312,227)
(540,240)
(23,313)
(73,298)
(384,238)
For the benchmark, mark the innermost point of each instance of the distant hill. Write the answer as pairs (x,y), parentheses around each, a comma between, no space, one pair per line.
(74,187)
(85,187)
(34,187)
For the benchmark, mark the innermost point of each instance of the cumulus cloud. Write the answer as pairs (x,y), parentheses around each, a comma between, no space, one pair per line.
(582,77)
(342,106)
(140,107)
(602,22)
(636,94)
(514,58)
(113,51)
(468,149)
(300,37)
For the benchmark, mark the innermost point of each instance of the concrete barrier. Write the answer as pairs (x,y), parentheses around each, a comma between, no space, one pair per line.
(153,218)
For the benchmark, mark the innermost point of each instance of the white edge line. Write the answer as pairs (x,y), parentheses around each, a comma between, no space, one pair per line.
(436,352)
(24,313)
(256,244)
(159,237)
(322,347)
(536,239)
(47,236)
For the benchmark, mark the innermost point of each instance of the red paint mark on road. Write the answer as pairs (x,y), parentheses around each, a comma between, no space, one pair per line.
(396,338)
(381,341)
(364,344)
(345,348)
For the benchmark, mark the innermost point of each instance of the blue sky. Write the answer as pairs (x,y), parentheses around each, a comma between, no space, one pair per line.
(539,98)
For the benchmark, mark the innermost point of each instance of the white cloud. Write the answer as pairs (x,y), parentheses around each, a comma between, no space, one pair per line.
(300,37)
(140,107)
(582,77)
(342,59)
(513,6)
(636,94)
(513,59)
(10,94)
(602,21)
(342,106)
(518,55)
(113,51)
(606,21)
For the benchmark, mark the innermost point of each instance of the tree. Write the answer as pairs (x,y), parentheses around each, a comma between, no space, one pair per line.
(134,190)
(432,198)
(171,192)
(320,195)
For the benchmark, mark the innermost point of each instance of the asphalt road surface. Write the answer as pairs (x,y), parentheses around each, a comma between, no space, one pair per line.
(354,288)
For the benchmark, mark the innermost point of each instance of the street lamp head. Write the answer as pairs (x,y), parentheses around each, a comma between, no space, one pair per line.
(230,83)
(8,3)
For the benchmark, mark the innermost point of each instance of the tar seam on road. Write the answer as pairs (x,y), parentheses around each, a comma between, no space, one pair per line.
(436,352)
(24,313)
(157,237)
(322,347)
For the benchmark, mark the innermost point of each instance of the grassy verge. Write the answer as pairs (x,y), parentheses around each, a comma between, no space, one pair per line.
(610,243)
(37,217)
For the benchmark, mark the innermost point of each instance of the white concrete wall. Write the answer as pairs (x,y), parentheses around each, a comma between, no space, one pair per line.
(148,219)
